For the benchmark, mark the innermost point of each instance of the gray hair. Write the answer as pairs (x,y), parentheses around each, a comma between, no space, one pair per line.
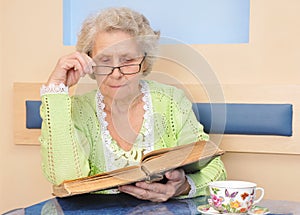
(123,19)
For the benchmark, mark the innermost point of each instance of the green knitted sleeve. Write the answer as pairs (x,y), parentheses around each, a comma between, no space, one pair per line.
(213,171)
(64,148)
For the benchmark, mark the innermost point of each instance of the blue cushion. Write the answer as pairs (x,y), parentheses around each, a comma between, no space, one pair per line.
(33,118)
(252,119)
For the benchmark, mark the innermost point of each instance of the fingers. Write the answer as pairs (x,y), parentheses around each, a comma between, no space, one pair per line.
(175,175)
(155,188)
(155,192)
(71,68)
(78,62)
(84,64)
(158,192)
(178,179)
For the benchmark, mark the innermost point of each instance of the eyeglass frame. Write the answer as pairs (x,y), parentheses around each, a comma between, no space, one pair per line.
(119,67)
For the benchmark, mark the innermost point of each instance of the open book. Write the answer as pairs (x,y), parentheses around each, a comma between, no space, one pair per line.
(191,157)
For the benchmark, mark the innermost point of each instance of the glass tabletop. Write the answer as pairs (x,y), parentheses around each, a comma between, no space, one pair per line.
(114,204)
(89,204)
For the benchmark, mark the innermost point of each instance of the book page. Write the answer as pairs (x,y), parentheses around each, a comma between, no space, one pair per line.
(160,152)
(180,156)
(101,181)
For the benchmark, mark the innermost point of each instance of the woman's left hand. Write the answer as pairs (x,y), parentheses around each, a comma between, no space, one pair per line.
(157,192)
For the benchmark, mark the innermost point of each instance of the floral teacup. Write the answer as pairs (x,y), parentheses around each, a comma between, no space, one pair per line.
(233,196)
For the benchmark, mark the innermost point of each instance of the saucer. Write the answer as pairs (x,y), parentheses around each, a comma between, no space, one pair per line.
(255,210)
(258,210)
(207,210)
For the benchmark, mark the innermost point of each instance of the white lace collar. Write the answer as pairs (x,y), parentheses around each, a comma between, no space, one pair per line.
(144,142)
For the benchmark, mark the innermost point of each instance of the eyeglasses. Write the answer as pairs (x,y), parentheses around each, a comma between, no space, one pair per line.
(128,69)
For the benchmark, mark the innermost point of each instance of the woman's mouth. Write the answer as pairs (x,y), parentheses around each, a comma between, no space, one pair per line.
(117,86)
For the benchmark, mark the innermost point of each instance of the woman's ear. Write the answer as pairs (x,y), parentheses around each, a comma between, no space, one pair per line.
(145,65)
(145,68)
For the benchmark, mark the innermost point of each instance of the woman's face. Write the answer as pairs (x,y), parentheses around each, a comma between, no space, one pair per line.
(114,49)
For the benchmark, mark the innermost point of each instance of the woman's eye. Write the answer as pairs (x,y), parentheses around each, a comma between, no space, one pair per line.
(127,60)
(104,61)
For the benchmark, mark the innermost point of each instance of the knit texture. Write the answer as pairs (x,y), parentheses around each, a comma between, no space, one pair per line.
(72,147)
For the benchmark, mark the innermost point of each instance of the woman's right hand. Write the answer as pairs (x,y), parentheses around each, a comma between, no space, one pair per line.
(70,68)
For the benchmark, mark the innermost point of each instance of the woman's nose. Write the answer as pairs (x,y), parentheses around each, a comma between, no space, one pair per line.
(116,73)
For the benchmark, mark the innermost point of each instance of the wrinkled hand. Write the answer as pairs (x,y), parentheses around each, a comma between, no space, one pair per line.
(157,192)
(70,68)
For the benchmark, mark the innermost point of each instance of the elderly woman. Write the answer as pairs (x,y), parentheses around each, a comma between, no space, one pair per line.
(126,117)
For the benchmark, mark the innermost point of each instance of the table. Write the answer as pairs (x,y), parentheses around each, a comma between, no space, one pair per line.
(89,204)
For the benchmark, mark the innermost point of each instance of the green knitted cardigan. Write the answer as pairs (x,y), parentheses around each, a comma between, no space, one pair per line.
(71,143)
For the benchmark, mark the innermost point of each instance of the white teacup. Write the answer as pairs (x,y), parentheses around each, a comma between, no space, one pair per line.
(233,196)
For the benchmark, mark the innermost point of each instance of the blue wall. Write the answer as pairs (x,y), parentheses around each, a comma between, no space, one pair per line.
(189,21)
